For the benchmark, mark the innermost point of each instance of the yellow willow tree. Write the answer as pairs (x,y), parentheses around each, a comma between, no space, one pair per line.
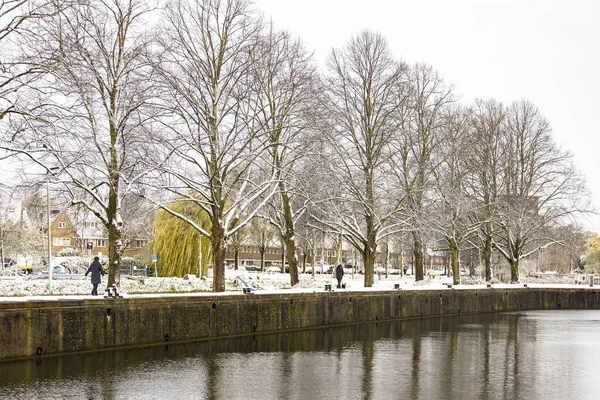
(177,245)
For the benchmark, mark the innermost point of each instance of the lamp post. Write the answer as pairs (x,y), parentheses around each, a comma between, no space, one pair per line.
(49,233)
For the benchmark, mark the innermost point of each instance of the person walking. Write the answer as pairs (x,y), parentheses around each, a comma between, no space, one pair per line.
(96,269)
(339,274)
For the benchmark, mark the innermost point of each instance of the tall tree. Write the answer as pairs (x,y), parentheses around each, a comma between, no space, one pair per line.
(90,122)
(363,90)
(420,136)
(486,155)
(454,210)
(206,68)
(541,187)
(285,80)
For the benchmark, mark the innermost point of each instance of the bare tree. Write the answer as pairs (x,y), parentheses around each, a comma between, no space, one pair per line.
(486,153)
(562,256)
(364,89)
(285,80)
(207,64)
(453,212)
(421,124)
(541,188)
(90,123)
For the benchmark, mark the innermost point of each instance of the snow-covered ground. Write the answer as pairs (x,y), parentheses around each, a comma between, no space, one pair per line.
(13,288)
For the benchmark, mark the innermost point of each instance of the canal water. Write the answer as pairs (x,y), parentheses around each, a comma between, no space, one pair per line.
(521,355)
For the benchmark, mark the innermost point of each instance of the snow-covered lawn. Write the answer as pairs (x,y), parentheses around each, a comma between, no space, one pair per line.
(78,285)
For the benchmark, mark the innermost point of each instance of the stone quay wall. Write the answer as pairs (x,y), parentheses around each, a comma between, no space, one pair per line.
(37,328)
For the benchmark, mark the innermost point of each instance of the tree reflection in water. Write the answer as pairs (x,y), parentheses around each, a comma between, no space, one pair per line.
(512,355)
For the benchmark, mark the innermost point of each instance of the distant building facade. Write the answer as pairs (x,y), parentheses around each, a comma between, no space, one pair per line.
(72,231)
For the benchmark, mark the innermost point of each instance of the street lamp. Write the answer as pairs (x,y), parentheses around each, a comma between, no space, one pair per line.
(48,172)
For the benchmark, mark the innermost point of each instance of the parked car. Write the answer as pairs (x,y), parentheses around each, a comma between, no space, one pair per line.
(325,269)
(56,270)
(273,270)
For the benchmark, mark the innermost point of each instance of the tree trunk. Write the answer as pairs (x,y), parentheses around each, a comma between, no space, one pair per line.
(2,255)
(369,251)
(289,240)
(514,270)
(487,253)
(455,262)
(218,249)
(114,227)
(418,256)
(236,259)
(304,262)
(262,250)
(114,223)
(290,254)
(369,254)
(369,268)
(115,253)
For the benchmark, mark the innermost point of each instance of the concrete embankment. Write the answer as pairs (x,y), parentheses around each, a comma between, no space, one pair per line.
(29,329)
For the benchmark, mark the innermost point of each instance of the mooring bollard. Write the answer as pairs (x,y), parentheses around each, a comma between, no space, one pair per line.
(489,285)
(247,290)
(396,286)
(449,285)
(328,287)
(112,292)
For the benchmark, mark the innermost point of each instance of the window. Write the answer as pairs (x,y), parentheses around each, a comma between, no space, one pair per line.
(100,243)
(91,224)
(62,242)
(141,243)
(61,225)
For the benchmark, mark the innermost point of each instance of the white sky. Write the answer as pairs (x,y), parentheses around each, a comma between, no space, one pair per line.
(546,51)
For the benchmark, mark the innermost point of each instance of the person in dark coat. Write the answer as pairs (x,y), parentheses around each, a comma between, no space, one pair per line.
(339,274)
(96,269)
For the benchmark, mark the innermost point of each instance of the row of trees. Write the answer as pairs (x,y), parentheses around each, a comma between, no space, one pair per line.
(219,119)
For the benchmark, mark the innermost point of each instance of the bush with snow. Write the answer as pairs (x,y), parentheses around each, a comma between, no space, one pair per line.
(69,252)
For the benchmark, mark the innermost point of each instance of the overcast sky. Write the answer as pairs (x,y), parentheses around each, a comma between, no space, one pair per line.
(546,51)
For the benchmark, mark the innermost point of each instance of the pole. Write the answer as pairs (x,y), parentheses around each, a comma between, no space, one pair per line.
(49,233)
(341,246)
